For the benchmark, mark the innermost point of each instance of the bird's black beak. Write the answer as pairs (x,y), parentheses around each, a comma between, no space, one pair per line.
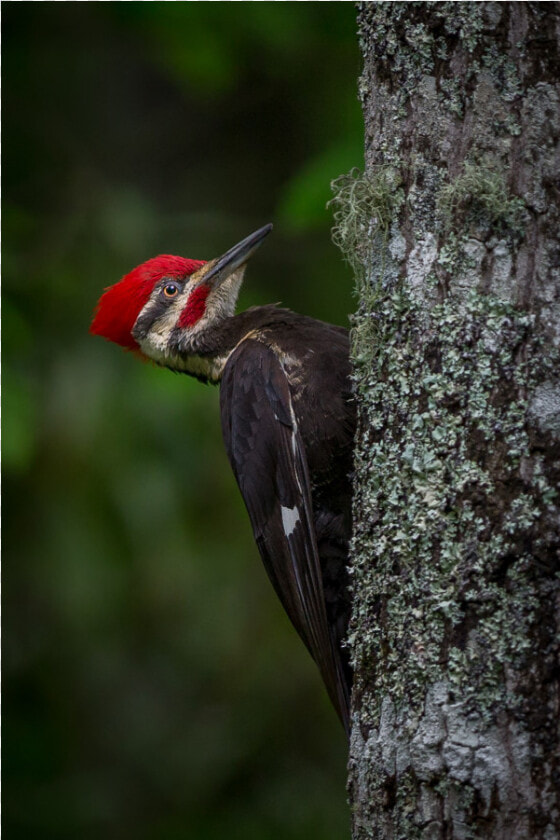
(235,257)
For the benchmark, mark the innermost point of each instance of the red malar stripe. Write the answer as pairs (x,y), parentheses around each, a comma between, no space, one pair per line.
(195,307)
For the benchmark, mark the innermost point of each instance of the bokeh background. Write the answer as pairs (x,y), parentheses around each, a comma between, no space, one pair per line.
(153,687)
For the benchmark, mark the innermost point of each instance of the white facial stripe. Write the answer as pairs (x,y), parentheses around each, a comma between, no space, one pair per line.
(221,301)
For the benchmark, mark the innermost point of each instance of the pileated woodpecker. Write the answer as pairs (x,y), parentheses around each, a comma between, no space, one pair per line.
(287,420)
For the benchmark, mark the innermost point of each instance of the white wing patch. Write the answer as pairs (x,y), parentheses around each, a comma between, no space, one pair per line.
(290,518)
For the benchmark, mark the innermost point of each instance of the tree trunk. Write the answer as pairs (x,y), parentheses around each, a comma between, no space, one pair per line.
(454,230)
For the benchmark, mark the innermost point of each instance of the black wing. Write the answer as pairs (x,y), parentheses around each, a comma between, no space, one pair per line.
(268,458)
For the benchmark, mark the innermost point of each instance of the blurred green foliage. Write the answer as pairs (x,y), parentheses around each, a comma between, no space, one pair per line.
(153,686)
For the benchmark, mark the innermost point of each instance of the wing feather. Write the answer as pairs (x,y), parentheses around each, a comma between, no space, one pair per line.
(268,459)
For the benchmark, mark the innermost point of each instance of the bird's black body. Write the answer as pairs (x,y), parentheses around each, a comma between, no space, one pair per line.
(288,423)
(287,419)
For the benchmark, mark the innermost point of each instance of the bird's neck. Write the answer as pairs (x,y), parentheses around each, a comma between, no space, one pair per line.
(206,354)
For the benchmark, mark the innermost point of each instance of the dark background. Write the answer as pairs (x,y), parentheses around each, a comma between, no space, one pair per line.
(153,687)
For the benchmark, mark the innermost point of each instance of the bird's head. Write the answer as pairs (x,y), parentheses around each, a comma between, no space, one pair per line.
(163,307)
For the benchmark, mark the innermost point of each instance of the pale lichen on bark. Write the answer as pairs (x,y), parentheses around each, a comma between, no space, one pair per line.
(454,635)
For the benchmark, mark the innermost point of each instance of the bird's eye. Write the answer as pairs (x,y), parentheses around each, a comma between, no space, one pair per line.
(170,290)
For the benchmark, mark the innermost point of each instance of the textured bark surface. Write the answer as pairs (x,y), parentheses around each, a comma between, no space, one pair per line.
(456,347)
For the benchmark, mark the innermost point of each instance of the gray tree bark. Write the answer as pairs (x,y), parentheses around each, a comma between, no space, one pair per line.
(453,229)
